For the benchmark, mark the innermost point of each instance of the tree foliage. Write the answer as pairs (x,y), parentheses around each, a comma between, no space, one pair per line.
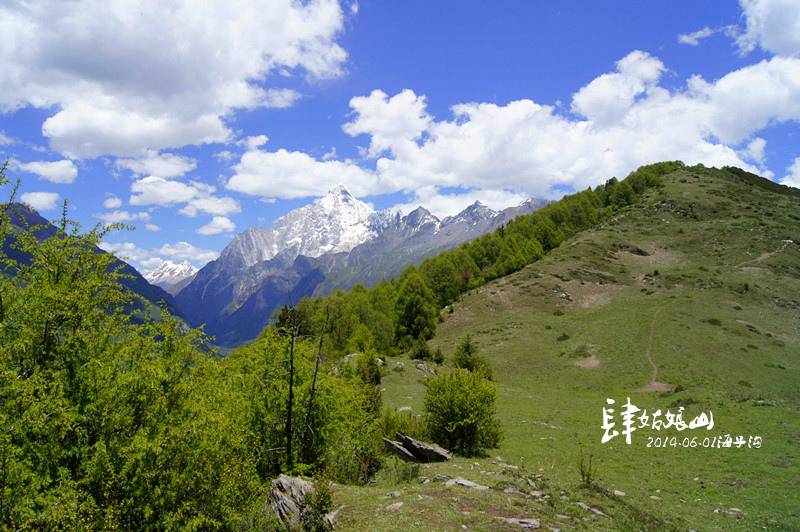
(460,407)
(416,311)
(106,423)
(469,358)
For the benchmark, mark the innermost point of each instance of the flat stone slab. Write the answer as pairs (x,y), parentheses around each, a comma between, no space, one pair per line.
(524,524)
(466,483)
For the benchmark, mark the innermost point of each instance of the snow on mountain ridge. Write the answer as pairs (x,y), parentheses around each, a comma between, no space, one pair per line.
(171,276)
(170,272)
(333,223)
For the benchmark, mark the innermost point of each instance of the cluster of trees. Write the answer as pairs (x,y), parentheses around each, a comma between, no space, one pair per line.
(106,423)
(391,316)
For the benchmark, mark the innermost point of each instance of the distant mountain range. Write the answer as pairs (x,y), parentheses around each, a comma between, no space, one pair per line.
(334,243)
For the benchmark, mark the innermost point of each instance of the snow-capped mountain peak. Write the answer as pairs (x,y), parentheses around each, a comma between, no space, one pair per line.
(474,214)
(170,276)
(333,223)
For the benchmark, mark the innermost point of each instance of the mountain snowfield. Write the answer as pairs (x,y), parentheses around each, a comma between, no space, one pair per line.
(334,223)
(171,277)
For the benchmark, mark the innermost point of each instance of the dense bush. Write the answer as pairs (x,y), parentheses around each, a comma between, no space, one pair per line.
(110,424)
(105,423)
(420,350)
(460,406)
(468,357)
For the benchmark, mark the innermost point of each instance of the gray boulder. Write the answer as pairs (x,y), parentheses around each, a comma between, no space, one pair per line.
(412,450)
(287,498)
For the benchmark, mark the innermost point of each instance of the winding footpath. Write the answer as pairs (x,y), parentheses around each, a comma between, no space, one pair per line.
(653,385)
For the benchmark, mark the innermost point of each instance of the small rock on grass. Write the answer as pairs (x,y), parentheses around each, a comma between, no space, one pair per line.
(466,483)
(395,506)
(593,510)
(525,524)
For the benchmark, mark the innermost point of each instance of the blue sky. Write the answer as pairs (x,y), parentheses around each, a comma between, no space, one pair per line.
(192,122)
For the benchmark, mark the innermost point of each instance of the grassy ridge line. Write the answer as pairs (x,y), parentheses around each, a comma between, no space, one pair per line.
(726,341)
(393,314)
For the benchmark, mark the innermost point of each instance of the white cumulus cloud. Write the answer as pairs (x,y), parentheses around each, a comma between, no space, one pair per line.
(218,224)
(622,119)
(792,178)
(392,123)
(608,98)
(159,164)
(755,151)
(122,217)
(41,201)
(695,37)
(153,258)
(197,196)
(153,190)
(211,205)
(128,76)
(773,25)
(62,172)
(618,122)
(112,203)
(294,174)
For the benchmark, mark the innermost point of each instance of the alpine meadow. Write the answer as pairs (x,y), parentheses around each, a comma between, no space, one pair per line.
(312,265)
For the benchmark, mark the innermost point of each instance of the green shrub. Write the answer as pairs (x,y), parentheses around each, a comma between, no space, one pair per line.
(467,357)
(318,502)
(461,411)
(368,370)
(353,457)
(420,350)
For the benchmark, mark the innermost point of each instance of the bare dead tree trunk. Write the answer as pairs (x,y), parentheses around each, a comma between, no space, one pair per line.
(289,462)
(308,429)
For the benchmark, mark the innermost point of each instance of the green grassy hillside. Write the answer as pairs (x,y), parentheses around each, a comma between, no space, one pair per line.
(690,298)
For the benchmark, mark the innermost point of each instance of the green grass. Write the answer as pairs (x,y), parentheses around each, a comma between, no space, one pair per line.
(725,340)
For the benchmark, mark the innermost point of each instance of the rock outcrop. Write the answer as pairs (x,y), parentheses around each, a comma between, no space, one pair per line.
(412,450)
(288,500)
